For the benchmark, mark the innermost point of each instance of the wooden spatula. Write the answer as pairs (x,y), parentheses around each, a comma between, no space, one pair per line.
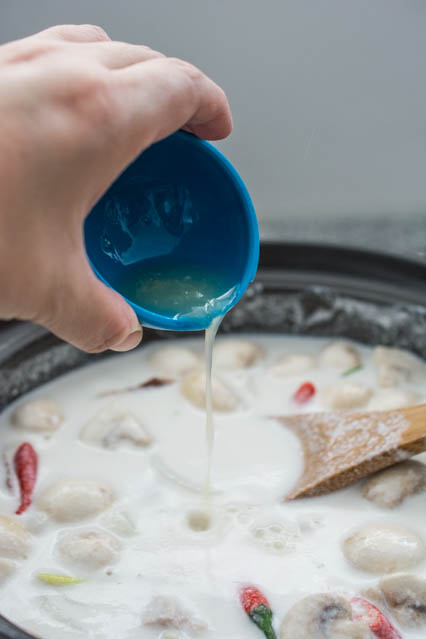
(339,449)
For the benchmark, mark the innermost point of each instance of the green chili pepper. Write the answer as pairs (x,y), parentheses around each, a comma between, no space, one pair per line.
(58,580)
(355,369)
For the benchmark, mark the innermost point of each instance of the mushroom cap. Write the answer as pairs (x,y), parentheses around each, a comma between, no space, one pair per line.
(322,616)
(406,597)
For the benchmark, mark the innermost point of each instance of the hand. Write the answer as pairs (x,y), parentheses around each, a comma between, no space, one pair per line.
(75,109)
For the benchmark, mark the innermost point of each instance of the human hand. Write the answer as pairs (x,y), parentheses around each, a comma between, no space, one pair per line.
(75,110)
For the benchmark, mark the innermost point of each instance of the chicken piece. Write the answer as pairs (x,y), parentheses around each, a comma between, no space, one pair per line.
(340,355)
(291,365)
(169,611)
(75,499)
(388,488)
(37,415)
(395,366)
(174,361)
(14,539)
(346,395)
(392,398)
(193,387)
(235,354)
(89,549)
(113,425)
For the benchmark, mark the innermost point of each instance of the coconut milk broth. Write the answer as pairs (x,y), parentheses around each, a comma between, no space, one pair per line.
(160,490)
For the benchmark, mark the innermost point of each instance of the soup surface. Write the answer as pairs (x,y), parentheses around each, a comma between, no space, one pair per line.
(119,503)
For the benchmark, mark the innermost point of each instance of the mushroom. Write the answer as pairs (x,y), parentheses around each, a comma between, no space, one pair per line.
(112,425)
(340,355)
(392,398)
(389,487)
(174,361)
(91,549)
(406,597)
(383,548)
(322,616)
(234,354)
(395,366)
(346,395)
(37,415)
(290,365)
(75,499)
(193,387)
(14,539)
(171,612)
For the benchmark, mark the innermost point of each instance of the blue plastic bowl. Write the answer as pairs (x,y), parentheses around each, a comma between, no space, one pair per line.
(183,200)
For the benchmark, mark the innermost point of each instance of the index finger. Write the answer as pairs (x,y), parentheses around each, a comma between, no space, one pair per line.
(166,94)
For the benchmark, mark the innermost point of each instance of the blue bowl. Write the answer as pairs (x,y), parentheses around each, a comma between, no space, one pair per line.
(182,201)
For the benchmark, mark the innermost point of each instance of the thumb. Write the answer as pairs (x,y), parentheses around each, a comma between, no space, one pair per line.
(88,314)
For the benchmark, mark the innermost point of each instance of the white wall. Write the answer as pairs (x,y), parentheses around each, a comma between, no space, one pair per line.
(329,96)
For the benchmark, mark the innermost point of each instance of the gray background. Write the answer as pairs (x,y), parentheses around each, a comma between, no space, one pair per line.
(328,96)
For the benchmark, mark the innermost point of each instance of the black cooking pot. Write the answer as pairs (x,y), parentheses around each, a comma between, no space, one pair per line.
(299,289)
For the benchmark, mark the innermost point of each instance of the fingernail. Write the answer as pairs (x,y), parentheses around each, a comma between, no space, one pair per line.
(131,341)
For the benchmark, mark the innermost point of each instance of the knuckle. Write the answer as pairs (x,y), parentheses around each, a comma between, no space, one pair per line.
(94,32)
(190,70)
(145,51)
(78,32)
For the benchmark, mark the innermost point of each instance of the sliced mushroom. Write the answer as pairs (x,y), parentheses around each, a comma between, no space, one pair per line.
(7,568)
(322,616)
(165,610)
(233,354)
(346,395)
(37,415)
(290,365)
(89,549)
(340,355)
(14,539)
(174,361)
(75,499)
(384,548)
(112,425)
(395,366)
(406,597)
(193,388)
(389,488)
(392,398)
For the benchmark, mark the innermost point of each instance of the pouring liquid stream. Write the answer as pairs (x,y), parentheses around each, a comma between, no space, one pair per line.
(210,336)
(191,291)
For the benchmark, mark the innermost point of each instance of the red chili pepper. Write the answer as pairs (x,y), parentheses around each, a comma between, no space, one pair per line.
(257,607)
(304,393)
(363,610)
(26,463)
